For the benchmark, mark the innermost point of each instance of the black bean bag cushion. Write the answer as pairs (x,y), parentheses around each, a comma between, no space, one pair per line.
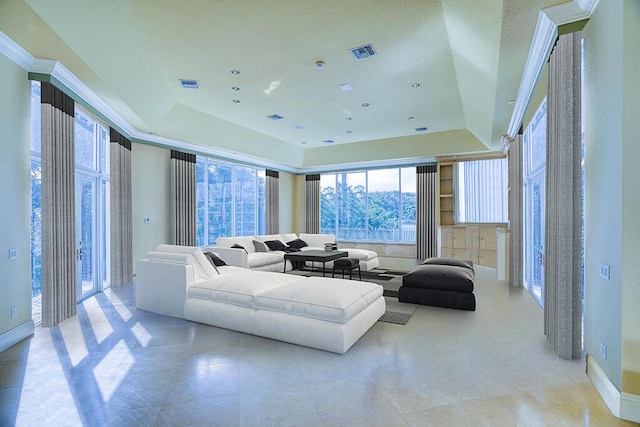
(449,261)
(445,277)
(438,298)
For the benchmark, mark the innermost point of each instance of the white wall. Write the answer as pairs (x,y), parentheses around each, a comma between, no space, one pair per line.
(631,199)
(604,185)
(150,181)
(15,276)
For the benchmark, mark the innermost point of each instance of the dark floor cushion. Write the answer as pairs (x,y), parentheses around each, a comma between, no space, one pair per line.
(449,261)
(445,277)
(438,298)
(346,262)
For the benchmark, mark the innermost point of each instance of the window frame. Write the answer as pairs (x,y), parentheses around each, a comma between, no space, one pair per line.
(401,229)
(259,199)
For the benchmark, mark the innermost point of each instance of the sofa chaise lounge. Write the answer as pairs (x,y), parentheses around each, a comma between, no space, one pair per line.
(241,251)
(323,313)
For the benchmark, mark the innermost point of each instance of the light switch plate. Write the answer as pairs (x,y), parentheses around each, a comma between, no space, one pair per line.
(604,271)
(13,253)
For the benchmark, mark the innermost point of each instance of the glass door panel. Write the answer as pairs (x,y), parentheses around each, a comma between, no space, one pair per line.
(86,235)
(536,282)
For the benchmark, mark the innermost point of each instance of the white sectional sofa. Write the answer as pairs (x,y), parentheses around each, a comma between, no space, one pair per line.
(274,260)
(323,313)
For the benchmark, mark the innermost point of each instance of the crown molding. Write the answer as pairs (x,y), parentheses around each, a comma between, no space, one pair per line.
(147,138)
(15,52)
(62,75)
(543,40)
(374,164)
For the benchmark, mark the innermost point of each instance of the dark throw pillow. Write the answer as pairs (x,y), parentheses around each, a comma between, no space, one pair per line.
(215,260)
(297,244)
(275,245)
(237,246)
(259,246)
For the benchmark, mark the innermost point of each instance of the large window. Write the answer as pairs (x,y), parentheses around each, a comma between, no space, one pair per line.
(481,191)
(375,205)
(230,200)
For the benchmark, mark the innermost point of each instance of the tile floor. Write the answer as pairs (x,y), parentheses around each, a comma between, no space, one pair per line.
(113,365)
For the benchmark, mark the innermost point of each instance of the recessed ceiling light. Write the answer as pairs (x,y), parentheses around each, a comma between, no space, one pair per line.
(328,141)
(349,118)
(189,84)
(346,87)
(275,117)
(422,129)
(235,88)
(303,142)
(236,101)
(235,72)
(299,127)
(415,85)
(348,131)
(365,105)
(410,118)
(319,65)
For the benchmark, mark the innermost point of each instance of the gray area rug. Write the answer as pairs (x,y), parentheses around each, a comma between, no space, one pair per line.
(397,312)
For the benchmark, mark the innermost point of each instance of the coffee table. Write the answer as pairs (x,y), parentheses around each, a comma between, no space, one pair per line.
(314,256)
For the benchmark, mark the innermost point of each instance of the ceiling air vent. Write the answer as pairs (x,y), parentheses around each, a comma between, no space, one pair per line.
(189,84)
(363,52)
(275,117)
(422,129)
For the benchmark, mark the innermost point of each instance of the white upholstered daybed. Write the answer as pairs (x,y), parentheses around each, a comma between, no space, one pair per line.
(323,313)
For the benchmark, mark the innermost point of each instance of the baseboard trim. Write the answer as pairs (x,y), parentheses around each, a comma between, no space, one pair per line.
(630,407)
(622,405)
(15,335)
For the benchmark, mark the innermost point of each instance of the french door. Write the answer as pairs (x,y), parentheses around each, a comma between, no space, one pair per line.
(87,235)
(534,236)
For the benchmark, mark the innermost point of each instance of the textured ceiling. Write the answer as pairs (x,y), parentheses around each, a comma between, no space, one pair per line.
(468,58)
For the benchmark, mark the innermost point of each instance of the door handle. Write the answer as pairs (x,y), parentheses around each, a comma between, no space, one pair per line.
(79,254)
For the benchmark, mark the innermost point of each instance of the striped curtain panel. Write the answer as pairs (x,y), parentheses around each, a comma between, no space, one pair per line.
(58,206)
(312,203)
(120,210)
(516,210)
(562,273)
(183,198)
(426,240)
(273,201)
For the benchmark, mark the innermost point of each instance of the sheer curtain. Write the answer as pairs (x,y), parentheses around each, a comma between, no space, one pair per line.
(273,201)
(121,210)
(312,203)
(562,273)
(482,191)
(183,198)
(59,289)
(426,189)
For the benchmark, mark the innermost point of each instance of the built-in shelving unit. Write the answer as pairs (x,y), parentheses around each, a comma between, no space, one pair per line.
(447,202)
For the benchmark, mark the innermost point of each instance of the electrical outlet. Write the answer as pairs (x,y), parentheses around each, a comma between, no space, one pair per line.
(13,253)
(13,311)
(604,271)
(603,351)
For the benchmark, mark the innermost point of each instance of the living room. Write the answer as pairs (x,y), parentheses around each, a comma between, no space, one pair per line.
(610,196)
